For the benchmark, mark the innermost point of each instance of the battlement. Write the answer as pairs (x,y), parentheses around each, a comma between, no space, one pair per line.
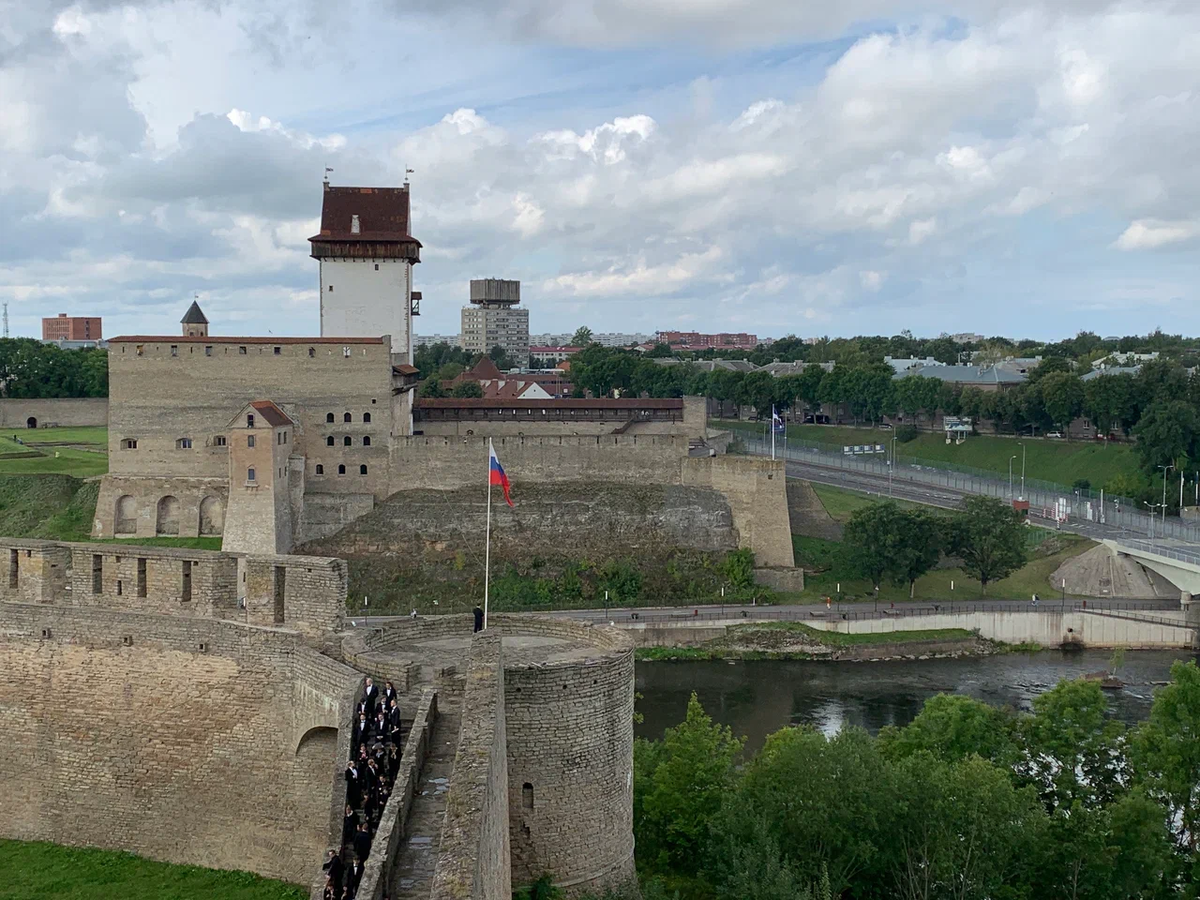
(304,593)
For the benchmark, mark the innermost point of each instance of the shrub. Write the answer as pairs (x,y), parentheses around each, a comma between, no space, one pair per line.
(739,567)
(906,433)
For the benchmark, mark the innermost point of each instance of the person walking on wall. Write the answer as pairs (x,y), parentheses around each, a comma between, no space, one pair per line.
(478,618)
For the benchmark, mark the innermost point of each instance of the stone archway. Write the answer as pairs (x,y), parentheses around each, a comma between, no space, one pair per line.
(125,515)
(31,422)
(167,519)
(212,516)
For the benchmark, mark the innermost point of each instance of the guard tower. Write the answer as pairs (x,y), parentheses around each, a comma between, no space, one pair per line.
(195,323)
(366,255)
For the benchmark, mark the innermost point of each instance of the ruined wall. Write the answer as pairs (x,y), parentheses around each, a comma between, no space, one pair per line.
(182,739)
(758,497)
(446,463)
(82,411)
(474,857)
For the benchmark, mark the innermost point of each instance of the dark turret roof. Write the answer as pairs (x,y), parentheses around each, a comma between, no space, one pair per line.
(194,316)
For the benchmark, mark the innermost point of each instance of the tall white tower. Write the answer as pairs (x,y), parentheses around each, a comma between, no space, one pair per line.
(366,255)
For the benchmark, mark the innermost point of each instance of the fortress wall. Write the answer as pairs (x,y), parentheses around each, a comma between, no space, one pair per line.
(34,571)
(304,592)
(145,492)
(757,494)
(153,579)
(570,752)
(72,411)
(176,738)
(474,857)
(444,462)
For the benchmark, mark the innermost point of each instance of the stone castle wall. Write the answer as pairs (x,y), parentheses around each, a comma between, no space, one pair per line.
(55,411)
(757,494)
(188,740)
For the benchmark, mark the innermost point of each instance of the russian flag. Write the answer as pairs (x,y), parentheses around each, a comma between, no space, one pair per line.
(496,474)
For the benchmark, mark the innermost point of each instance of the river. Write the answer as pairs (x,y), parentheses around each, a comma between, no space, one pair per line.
(758,697)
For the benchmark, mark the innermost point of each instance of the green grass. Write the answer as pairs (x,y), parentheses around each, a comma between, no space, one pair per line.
(1046,459)
(764,632)
(43,871)
(840,639)
(841,503)
(50,460)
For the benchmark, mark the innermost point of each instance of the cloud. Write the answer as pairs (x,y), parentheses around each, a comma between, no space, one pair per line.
(1149,234)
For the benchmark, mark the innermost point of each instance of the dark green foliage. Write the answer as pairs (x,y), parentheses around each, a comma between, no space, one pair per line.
(906,433)
(739,568)
(989,536)
(467,389)
(883,539)
(29,368)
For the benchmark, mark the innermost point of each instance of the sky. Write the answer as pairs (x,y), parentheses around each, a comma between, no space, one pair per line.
(1016,167)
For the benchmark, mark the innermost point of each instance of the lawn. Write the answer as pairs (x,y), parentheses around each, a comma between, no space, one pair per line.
(840,503)
(15,458)
(1046,459)
(50,872)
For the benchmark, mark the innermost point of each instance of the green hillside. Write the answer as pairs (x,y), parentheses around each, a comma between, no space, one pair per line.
(81,452)
(1046,459)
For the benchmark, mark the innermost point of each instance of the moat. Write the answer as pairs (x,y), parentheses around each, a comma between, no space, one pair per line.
(756,698)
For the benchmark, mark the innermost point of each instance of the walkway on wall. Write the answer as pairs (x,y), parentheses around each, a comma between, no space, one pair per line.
(412,872)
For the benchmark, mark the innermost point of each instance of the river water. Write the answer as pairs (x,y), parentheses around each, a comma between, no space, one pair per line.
(758,697)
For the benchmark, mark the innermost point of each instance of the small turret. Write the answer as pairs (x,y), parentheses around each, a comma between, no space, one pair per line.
(195,323)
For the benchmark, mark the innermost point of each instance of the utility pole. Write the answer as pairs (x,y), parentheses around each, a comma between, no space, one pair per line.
(1010,462)
(1165,469)
(6,318)
(1022,443)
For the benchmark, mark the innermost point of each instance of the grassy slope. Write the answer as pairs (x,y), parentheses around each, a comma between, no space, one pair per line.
(1049,551)
(51,872)
(1048,460)
(55,460)
(746,634)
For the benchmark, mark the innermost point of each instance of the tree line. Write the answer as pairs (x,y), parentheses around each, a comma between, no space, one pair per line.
(968,802)
(30,369)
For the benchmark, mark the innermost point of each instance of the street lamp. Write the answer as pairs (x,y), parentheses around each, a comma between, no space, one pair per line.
(1022,443)
(1163,505)
(1010,462)
(892,467)
(1153,506)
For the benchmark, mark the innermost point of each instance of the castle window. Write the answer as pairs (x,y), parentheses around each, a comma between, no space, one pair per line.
(345,350)
(341,470)
(312,351)
(174,349)
(346,417)
(331,289)
(219,440)
(362,470)
(366,417)
(366,440)
(250,474)
(138,350)
(241,351)
(285,434)
(208,351)
(328,417)
(320,469)
(129,444)
(346,441)
(250,440)
(278,351)
(329,441)
(250,420)
(183,444)
(376,267)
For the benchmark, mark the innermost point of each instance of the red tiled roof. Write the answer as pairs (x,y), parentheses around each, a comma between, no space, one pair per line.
(184,339)
(382,214)
(485,368)
(405,369)
(272,413)
(570,403)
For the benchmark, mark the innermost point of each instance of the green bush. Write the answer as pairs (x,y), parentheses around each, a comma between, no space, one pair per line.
(739,568)
(906,433)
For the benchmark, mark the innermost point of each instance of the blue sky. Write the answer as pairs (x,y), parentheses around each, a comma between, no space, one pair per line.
(1019,167)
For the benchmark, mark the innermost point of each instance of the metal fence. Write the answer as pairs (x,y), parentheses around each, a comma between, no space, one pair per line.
(1046,499)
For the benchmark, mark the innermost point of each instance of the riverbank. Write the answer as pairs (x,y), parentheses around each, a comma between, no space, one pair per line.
(795,640)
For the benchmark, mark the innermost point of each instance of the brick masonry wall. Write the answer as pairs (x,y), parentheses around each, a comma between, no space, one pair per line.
(473,859)
(187,740)
(15,414)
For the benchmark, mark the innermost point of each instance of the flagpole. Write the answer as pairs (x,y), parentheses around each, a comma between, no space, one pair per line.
(487,550)
(772,431)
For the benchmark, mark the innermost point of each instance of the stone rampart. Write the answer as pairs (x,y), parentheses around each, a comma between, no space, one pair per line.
(56,411)
(188,740)
(390,834)
(474,857)
(145,506)
(758,497)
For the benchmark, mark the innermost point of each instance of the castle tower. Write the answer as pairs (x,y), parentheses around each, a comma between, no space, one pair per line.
(366,255)
(261,438)
(195,323)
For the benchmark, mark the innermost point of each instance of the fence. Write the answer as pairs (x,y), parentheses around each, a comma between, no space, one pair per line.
(1077,505)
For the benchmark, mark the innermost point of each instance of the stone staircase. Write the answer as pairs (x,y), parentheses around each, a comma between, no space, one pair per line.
(412,873)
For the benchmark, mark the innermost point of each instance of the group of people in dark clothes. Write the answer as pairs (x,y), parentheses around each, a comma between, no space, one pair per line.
(370,775)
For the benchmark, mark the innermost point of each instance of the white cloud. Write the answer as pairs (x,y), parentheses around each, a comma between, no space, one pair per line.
(1148,234)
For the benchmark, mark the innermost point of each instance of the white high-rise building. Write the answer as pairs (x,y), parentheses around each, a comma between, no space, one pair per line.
(366,255)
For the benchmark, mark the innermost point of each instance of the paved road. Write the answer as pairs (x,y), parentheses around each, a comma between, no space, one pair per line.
(800,612)
(951,498)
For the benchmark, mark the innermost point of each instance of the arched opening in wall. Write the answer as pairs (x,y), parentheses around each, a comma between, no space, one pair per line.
(346,417)
(329,417)
(366,417)
(329,441)
(366,440)
(212,515)
(125,515)
(167,519)
(317,740)
(346,442)
(527,796)
(31,422)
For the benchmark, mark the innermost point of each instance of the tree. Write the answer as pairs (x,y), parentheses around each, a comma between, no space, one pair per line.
(1166,432)
(467,389)
(1107,400)
(582,336)
(989,536)
(500,358)
(758,390)
(873,539)
(1062,397)
(432,388)
(1166,752)
(679,789)
(809,389)
(951,727)
(919,547)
